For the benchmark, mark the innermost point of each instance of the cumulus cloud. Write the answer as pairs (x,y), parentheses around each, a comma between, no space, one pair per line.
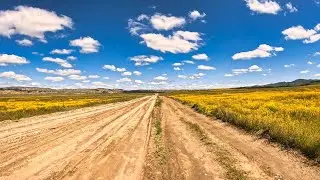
(121,69)
(77,77)
(316,54)
(197,76)
(200,57)
(163,22)
(263,6)
(138,81)
(59,61)
(54,79)
(6,59)
(32,22)
(291,8)
(123,80)
(174,44)
(188,35)
(14,76)
(61,51)
(300,33)
(289,65)
(137,73)
(254,68)
(24,42)
(93,76)
(60,72)
(160,78)
(177,69)
(207,68)
(177,64)
(87,44)
(126,73)
(196,15)
(143,60)
(182,76)
(263,51)
(110,67)
(72,58)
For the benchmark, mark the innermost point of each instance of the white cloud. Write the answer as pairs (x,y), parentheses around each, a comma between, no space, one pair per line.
(93,76)
(254,68)
(159,83)
(187,35)
(177,64)
(263,6)
(98,83)
(127,73)
(196,15)
(177,69)
(318,65)
(262,51)
(143,60)
(174,44)
(317,75)
(289,65)
(32,22)
(6,59)
(37,53)
(200,57)
(60,72)
(59,61)
(138,81)
(72,58)
(163,22)
(304,71)
(137,73)
(160,78)
(87,44)
(122,80)
(13,75)
(203,67)
(24,42)
(310,62)
(182,76)
(121,69)
(142,17)
(106,78)
(317,28)
(300,33)
(197,76)
(239,71)
(188,62)
(61,51)
(110,67)
(291,8)
(229,75)
(135,27)
(54,79)
(316,54)
(77,77)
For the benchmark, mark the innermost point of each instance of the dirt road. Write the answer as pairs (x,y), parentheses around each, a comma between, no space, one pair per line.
(140,139)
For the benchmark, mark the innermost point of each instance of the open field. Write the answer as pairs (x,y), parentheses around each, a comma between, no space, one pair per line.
(19,106)
(144,138)
(290,116)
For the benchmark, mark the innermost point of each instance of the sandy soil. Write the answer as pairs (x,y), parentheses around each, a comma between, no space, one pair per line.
(140,139)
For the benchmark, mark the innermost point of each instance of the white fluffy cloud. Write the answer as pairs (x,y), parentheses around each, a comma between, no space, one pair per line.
(93,76)
(14,76)
(138,81)
(121,69)
(87,44)
(137,73)
(188,35)
(54,79)
(197,76)
(263,6)
(236,72)
(174,44)
(163,22)
(126,73)
(304,71)
(196,15)
(160,78)
(300,33)
(6,59)
(262,51)
(207,68)
(60,72)
(61,51)
(24,42)
(289,65)
(143,60)
(177,69)
(77,77)
(177,64)
(72,58)
(200,57)
(316,54)
(110,67)
(32,22)
(291,8)
(123,80)
(182,76)
(59,61)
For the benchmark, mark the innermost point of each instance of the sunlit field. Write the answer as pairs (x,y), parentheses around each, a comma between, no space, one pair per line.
(20,106)
(290,116)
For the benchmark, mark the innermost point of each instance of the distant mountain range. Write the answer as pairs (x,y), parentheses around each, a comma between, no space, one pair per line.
(37,90)
(298,82)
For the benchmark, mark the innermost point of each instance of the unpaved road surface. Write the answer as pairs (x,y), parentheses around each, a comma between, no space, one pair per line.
(145,138)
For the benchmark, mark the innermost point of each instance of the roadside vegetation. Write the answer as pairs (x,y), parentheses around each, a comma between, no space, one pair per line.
(14,107)
(290,115)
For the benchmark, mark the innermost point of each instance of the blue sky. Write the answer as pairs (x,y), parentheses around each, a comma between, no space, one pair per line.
(158,44)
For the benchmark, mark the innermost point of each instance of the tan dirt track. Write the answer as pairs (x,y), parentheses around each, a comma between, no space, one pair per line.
(140,139)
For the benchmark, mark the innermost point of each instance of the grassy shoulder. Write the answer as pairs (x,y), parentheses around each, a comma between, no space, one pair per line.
(14,107)
(290,116)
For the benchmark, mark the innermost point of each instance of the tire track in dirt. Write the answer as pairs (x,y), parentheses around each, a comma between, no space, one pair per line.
(257,158)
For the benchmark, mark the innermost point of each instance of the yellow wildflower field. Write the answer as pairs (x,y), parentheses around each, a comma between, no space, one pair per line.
(290,116)
(19,106)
